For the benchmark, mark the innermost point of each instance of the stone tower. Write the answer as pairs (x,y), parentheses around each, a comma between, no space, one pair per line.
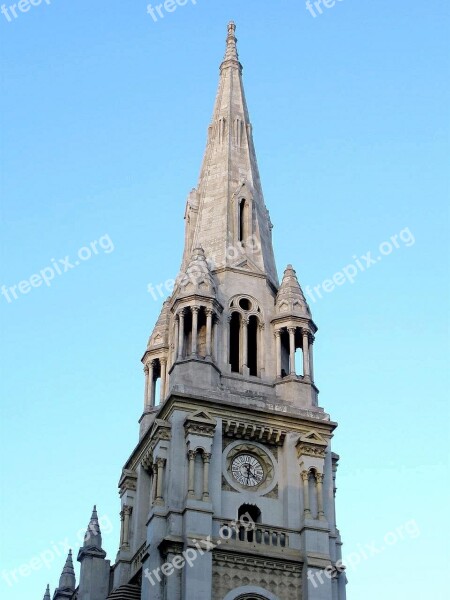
(231,423)
(229,493)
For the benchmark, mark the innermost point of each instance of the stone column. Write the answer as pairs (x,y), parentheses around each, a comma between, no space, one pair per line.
(160,462)
(226,340)
(334,492)
(154,482)
(181,333)
(206,462)
(122,516)
(146,403)
(306,371)
(194,310)
(191,473)
(306,508)
(319,490)
(311,358)
(162,388)
(291,350)
(151,385)
(244,329)
(209,317)
(215,334)
(262,354)
(278,352)
(175,342)
(126,526)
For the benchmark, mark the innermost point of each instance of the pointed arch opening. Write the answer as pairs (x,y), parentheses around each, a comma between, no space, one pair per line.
(249,514)
(252,345)
(235,342)
(243,221)
(284,337)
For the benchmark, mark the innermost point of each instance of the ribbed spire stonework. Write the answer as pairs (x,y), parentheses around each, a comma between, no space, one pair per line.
(230,174)
(92,544)
(67,581)
(231,53)
(290,297)
(93,536)
(159,335)
(197,278)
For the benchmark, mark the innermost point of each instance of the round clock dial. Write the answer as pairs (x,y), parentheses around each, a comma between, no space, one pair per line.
(247,470)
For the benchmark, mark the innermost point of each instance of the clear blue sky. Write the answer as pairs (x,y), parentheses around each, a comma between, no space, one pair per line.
(104,117)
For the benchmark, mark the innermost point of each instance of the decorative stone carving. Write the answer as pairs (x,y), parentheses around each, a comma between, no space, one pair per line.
(128,481)
(250,430)
(231,571)
(201,424)
(312,444)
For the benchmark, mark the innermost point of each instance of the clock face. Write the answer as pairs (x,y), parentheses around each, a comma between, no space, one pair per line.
(247,470)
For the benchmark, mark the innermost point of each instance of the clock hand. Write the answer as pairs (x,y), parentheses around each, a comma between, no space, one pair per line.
(248,473)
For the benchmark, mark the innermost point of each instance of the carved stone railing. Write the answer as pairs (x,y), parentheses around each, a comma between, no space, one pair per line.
(264,535)
(136,561)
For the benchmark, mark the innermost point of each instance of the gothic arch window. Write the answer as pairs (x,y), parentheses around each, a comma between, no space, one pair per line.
(243,220)
(245,336)
(284,353)
(252,345)
(250,510)
(235,342)
(248,513)
(156,388)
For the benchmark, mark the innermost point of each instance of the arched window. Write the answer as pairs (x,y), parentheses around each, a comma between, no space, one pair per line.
(243,220)
(248,513)
(235,342)
(156,387)
(251,511)
(252,345)
(285,369)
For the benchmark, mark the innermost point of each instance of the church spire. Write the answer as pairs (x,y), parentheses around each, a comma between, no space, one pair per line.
(226,214)
(47,593)
(231,53)
(92,544)
(93,536)
(67,580)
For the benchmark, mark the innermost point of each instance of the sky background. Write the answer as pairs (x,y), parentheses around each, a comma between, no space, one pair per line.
(104,117)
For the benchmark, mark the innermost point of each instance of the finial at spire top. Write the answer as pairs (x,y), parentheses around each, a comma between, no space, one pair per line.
(231,53)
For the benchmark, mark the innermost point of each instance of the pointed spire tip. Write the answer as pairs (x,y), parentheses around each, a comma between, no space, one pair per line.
(231,54)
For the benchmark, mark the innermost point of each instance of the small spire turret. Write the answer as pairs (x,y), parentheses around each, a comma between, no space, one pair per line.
(290,297)
(67,581)
(93,536)
(92,544)
(47,593)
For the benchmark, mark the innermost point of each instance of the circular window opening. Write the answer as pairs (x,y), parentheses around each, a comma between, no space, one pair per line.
(245,304)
